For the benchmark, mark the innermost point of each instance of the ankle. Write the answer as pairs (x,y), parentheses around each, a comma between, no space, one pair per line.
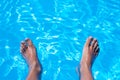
(35,67)
(84,66)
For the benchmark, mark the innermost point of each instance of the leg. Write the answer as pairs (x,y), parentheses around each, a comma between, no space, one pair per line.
(29,53)
(90,50)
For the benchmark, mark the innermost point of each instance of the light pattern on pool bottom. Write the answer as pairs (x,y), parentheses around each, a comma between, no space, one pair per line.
(59,29)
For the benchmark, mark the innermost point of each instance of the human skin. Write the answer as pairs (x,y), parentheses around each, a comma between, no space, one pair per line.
(90,50)
(29,53)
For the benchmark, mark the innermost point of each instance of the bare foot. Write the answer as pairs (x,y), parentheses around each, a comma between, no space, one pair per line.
(90,50)
(29,53)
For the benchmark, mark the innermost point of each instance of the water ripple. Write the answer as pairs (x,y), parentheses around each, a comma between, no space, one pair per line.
(58,30)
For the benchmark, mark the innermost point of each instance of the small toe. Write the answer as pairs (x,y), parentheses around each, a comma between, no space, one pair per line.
(29,42)
(23,47)
(22,50)
(95,45)
(97,50)
(88,41)
(93,42)
(22,44)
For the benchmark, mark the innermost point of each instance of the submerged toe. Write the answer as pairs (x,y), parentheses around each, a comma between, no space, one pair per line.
(95,45)
(88,41)
(23,47)
(93,42)
(28,41)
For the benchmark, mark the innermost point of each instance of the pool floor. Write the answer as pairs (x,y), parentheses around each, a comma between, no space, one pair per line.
(58,29)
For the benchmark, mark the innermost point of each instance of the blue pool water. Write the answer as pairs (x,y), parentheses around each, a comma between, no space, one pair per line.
(59,29)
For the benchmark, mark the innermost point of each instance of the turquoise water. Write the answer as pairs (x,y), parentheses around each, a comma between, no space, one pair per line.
(59,29)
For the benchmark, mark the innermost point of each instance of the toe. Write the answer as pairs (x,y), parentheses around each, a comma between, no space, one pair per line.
(22,50)
(23,47)
(29,42)
(22,44)
(97,50)
(88,41)
(93,42)
(95,45)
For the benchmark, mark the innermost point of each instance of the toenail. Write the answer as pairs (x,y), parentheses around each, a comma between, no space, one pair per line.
(22,42)
(90,37)
(26,39)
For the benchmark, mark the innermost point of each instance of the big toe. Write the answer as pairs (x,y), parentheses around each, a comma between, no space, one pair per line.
(88,41)
(29,42)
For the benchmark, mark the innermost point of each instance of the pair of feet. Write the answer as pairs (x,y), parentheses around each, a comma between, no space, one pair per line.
(90,50)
